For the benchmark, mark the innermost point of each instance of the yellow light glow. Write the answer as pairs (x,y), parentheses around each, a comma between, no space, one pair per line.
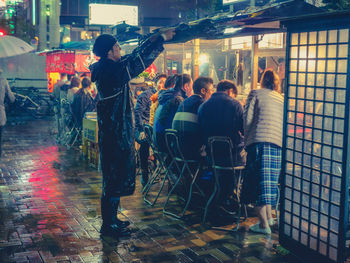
(203,58)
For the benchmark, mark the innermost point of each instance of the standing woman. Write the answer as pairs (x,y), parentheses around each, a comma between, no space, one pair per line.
(263,125)
(5,91)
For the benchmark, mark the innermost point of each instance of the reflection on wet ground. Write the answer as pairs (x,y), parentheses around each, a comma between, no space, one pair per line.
(49,212)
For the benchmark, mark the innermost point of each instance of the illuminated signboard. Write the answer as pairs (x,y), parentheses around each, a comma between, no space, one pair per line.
(105,14)
(228,2)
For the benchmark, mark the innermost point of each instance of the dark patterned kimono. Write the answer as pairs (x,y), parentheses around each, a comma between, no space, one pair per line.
(115,115)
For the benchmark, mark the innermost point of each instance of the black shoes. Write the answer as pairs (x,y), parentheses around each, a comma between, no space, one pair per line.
(115,231)
(122,224)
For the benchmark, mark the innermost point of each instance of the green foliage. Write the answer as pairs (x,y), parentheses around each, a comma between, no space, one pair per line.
(337,4)
(24,30)
(15,23)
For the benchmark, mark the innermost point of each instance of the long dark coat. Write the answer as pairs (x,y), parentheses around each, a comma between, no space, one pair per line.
(115,115)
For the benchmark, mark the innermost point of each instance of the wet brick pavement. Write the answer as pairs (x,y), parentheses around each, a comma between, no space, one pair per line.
(49,212)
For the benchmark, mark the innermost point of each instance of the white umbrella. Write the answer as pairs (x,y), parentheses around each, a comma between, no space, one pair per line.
(13,46)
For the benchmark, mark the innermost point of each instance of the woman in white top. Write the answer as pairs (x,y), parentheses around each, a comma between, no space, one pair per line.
(263,130)
(5,91)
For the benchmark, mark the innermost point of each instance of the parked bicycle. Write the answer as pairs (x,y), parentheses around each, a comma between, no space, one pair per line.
(29,101)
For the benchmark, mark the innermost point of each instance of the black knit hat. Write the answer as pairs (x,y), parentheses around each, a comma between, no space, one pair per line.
(103,44)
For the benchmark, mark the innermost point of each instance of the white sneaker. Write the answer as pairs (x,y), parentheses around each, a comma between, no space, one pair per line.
(257,229)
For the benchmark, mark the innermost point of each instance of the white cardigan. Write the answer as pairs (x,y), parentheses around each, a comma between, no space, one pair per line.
(263,117)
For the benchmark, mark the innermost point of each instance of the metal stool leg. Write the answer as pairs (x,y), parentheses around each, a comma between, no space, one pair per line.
(190,192)
(170,193)
(153,177)
(161,188)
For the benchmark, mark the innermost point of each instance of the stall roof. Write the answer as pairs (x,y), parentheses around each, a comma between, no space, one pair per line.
(77,45)
(251,21)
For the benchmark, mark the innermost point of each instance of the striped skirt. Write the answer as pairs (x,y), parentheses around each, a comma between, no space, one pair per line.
(262,173)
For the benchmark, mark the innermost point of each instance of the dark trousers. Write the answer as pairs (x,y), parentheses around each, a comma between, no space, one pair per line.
(1,128)
(144,154)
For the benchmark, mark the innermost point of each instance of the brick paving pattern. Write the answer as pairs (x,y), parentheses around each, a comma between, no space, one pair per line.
(49,212)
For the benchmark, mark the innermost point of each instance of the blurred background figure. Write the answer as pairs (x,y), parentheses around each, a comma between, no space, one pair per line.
(83,102)
(5,92)
(57,102)
(281,73)
(75,85)
(137,86)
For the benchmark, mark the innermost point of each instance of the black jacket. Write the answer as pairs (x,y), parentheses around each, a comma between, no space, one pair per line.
(82,103)
(222,116)
(115,115)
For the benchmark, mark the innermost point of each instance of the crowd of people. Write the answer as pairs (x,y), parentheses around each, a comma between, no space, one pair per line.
(197,112)
(73,98)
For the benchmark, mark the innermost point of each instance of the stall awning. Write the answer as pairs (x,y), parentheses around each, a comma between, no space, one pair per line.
(251,21)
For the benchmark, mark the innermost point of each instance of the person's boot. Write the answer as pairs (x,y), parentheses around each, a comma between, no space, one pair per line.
(109,220)
(116,221)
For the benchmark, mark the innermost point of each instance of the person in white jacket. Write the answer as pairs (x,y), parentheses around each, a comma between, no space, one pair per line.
(263,130)
(5,91)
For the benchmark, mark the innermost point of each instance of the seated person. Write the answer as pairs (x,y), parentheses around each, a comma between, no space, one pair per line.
(222,115)
(83,102)
(168,84)
(142,111)
(186,119)
(169,101)
(73,89)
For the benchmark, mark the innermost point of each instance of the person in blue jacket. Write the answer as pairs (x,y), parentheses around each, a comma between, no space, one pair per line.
(169,101)
(115,115)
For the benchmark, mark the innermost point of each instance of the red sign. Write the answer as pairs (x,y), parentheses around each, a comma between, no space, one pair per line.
(82,62)
(152,70)
(61,62)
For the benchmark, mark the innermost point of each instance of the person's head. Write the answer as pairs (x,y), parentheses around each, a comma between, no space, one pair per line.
(270,80)
(160,81)
(107,46)
(83,75)
(184,82)
(203,86)
(228,87)
(86,83)
(170,82)
(75,82)
(63,76)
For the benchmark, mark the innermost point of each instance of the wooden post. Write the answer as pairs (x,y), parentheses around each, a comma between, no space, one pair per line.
(254,62)
(196,59)
(165,66)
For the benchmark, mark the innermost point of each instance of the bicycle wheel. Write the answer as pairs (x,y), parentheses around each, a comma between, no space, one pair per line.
(42,110)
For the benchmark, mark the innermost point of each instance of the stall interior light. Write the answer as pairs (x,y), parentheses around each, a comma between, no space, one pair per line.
(231,30)
(241,42)
(203,58)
